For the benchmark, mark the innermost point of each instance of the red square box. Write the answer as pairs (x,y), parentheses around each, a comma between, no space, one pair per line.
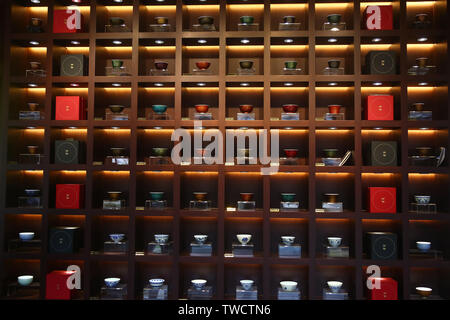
(56,285)
(69,196)
(382,200)
(378,17)
(67,22)
(380,107)
(70,108)
(388,290)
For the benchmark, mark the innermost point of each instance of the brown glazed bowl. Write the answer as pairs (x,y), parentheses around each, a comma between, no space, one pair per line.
(422,17)
(117,151)
(290,108)
(424,151)
(422,62)
(334,108)
(418,106)
(291,153)
(116,21)
(331,197)
(246,108)
(205,20)
(34,65)
(201,108)
(246,196)
(115,108)
(32,149)
(333,63)
(161,65)
(424,292)
(203,65)
(246,64)
(114,195)
(161,20)
(200,196)
(36,22)
(33,106)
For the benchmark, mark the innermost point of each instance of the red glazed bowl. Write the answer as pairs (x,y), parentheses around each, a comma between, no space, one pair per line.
(246,196)
(161,65)
(291,153)
(291,108)
(203,65)
(246,108)
(201,108)
(334,108)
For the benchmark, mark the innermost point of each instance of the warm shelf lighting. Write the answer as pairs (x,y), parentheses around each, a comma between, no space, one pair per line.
(283,89)
(37,50)
(377,174)
(288,6)
(118,173)
(159,89)
(244,7)
(119,9)
(200,48)
(335,131)
(118,49)
(420,4)
(389,46)
(381,3)
(334,88)
(422,39)
(202,7)
(338,174)
(329,6)
(333,47)
(73,172)
(117,131)
(251,48)
(161,48)
(416,46)
(245,89)
(278,47)
(159,131)
(171,8)
(34,131)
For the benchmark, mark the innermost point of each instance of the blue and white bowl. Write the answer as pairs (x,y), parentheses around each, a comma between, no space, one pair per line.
(244,238)
(334,241)
(288,285)
(423,245)
(331,161)
(26,236)
(247,284)
(112,282)
(25,280)
(422,199)
(117,237)
(155,283)
(198,283)
(200,238)
(161,238)
(334,286)
(288,240)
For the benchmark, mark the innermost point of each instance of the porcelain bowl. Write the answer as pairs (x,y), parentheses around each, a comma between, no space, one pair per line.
(291,153)
(114,195)
(334,64)
(334,108)
(200,238)
(246,108)
(246,196)
(32,149)
(244,238)
(161,65)
(288,197)
(36,22)
(423,245)
(289,19)
(331,161)
(117,63)
(288,285)
(35,65)
(330,153)
(243,153)
(334,286)
(205,20)
(32,192)
(160,152)
(418,106)
(111,282)
(201,108)
(33,106)
(159,108)
(290,64)
(247,19)
(156,283)
(26,236)
(247,284)
(334,18)
(161,238)
(422,199)
(117,237)
(334,241)
(25,280)
(200,195)
(288,240)
(116,108)
(246,64)
(117,152)
(331,197)
(424,292)
(203,65)
(156,195)
(424,151)
(116,21)
(422,62)
(198,283)
(161,20)
(290,108)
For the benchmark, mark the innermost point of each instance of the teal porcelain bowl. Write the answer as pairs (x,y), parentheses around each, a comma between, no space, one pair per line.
(156,195)
(288,197)
(159,108)
(247,19)
(160,152)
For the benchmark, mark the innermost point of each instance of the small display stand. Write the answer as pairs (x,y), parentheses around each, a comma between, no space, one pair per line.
(116,116)
(203,27)
(337,252)
(421,71)
(334,116)
(340,26)
(289,26)
(155,204)
(420,115)
(29,202)
(290,116)
(201,249)
(289,295)
(248,26)
(246,72)
(118,292)
(158,116)
(113,204)
(242,294)
(289,251)
(422,208)
(327,71)
(423,161)
(20,246)
(158,160)
(159,248)
(289,71)
(430,297)
(205,293)
(289,161)
(35,29)
(246,205)
(289,205)
(19,292)
(422,254)
(203,116)
(29,158)
(158,72)
(36,73)
(329,295)
(119,71)
(246,160)
(155,293)
(160,27)
(111,247)
(333,206)
(201,72)
(31,115)
(115,28)
(242,250)
(117,160)
(200,204)
(245,116)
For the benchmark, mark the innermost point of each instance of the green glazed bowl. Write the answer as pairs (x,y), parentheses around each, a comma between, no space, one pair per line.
(159,108)
(290,64)
(160,152)
(247,19)
(288,197)
(117,63)
(334,18)
(156,195)
(330,153)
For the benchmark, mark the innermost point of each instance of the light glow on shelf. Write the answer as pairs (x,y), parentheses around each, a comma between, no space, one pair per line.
(34,131)
(171,8)
(244,7)
(244,89)
(117,131)
(280,47)
(119,9)
(420,4)
(329,6)
(118,173)
(288,6)
(202,7)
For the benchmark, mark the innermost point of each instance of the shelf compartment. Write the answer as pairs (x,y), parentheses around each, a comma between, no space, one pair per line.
(105,11)
(193,95)
(107,269)
(191,13)
(252,94)
(104,181)
(235,11)
(279,10)
(332,182)
(433,96)
(288,49)
(19,180)
(390,180)
(289,227)
(236,52)
(106,225)
(148,13)
(345,274)
(234,273)
(152,51)
(432,184)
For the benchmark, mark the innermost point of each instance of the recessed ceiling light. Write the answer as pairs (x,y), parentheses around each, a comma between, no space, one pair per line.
(423,83)
(288,84)
(245,41)
(34,43)
(116,84)
(202,41)
(332,128)
(159,41)
(332,83)
(76,1)
(245,84)
(115,128)
(377,83)
(378,128)
(158,84)
(75,42)
(32,85)
(118,1)
(35,1)
(334,29)
(157,128)
(74,85)
(287,128)
(117,42)
(288,40)
(424,128)
(332,40)
(31,127)
(376,39)
(73,127)
(201,84)
(422,39)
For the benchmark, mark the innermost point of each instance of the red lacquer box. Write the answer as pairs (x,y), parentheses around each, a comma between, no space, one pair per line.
(70,108)
(388,290)
(67,22)
(378,17)
(380,107)
(56,286)
(69,196)
(382,200)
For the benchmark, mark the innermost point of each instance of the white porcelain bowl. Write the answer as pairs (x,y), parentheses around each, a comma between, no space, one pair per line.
(117,237)
(334,286)
(247,284)
(423,245)
(198,283)
(26,236)
(334,241)
(156,282)
(244,238)
(288,285)
(422,199)
(25,280)
(200,238)
(161,238)
(288,240)
(112,282)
